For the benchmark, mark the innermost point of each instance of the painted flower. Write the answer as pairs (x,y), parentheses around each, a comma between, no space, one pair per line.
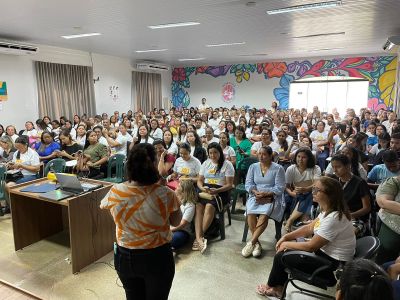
(179,74)
(201,70)
(275,69)
(375,105)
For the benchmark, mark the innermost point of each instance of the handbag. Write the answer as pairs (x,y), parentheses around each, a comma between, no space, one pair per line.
(209,197)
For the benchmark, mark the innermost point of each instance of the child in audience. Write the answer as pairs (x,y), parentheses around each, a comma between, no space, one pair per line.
(187,195)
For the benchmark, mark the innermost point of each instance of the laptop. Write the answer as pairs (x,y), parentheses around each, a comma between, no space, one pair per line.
(69,186)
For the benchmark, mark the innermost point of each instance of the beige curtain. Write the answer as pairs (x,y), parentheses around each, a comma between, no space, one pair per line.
(146,88)
(64,90)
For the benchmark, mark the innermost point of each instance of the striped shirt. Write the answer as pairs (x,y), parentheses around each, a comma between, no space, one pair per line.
(141,214)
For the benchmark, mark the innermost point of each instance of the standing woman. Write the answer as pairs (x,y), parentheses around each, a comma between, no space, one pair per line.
(215,178)
(143,211)
(196,148)
(241,144)
(299,182)
(265,183)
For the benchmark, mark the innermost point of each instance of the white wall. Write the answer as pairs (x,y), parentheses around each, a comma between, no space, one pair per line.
(21,106)
(18,72)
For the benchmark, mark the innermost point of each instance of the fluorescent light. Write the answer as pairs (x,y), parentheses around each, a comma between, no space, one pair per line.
(171,25)
(151,50)
(326,49)
(226,44)
(75,36)
(251,55)
(318,35)
(191,59)
(296,8)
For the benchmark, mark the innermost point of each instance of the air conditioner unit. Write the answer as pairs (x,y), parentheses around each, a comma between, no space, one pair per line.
(149,66)
(392,44)
(16,48)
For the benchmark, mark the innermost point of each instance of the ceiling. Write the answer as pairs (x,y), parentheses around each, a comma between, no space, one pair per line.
(123,23)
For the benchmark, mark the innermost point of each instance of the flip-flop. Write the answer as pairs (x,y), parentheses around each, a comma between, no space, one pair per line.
(195,246)
(262,289)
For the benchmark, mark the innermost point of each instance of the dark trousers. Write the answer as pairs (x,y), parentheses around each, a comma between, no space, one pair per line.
(179,239)
(321,159)
(390,245)
(278,276)
(146,274)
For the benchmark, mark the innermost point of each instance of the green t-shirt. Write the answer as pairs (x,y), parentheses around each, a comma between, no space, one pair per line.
(390,186)
(245,145)
(96,152)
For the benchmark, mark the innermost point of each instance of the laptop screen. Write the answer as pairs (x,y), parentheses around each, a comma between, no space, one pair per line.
(69,182)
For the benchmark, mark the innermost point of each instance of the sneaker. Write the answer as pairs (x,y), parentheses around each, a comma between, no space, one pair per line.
(257,250)
(248,249)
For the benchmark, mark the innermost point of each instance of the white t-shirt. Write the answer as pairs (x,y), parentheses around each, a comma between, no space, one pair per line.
(189,168)
(257,146)
(156,134)
(29,158)
(73,133)
(201,132)
(122,140)
(339,233)
(213,140)
(317,136)
(103,141)
(150,140)
(293,174)
(188,211)
(213,123)
(211,176)
(173,149)
(32,132)
(229,152)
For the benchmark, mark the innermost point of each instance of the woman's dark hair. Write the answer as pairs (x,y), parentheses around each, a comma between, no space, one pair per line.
(242,130)
(354,159)
(384,136)
(172,139)
(333,190)
(197,140)
(23,140)
(142,157)
(42,144)
(10,126)
(310,157)
(293,131)
(41,124)
(67,133)
(159,142)
(343,159)
(79,119)
(56,122)
(139,136)
(383,127)
(221,158)
(362,279)
(233,125)
(285,144)
(179,129)
(227,137)
(185,146)
(268,149)
(87,143)
(358,125)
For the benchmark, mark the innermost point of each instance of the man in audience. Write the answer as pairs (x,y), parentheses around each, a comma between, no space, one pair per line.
(389,168)
(203,106)
(390,121)
(394,145)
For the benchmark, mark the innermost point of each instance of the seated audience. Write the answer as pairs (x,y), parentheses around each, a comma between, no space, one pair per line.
(170,145)
(229,152)
(46,147)
(186,166)
(7,149)
(12,132)
(389,168)
(69,148)
(165,160)
(241,145)
(196,149)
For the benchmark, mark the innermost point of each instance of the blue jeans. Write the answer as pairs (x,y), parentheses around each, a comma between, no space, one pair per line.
(321,159)
(395,283)
(179,239)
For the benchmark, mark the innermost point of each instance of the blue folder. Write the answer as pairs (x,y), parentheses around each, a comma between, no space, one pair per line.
(40,188)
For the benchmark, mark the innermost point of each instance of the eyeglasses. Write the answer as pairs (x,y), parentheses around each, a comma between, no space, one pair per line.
(315,190)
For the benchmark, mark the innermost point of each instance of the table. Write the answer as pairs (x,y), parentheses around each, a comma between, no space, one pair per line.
(91,230)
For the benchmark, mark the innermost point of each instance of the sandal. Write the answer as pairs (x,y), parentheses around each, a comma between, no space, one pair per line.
(262,289)
(195,246)
(203,246)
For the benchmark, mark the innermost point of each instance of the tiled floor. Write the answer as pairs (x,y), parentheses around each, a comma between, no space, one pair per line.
(221,273)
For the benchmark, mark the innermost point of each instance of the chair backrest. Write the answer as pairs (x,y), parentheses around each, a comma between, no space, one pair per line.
(244,166)
(116,161)
(3,174)
(367,247)
(56,165)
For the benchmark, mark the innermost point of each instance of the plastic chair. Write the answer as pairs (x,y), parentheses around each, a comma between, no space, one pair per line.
(240,189)
(116,161)
(56,165)
(321,277)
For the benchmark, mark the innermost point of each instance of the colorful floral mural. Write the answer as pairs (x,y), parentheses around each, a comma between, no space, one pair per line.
(380,71)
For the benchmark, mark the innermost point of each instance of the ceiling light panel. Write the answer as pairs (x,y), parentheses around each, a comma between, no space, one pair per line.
(191,59)
(75,36)
(172,25)
(151,50)
(226,44)
(318,35)
(297,8)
